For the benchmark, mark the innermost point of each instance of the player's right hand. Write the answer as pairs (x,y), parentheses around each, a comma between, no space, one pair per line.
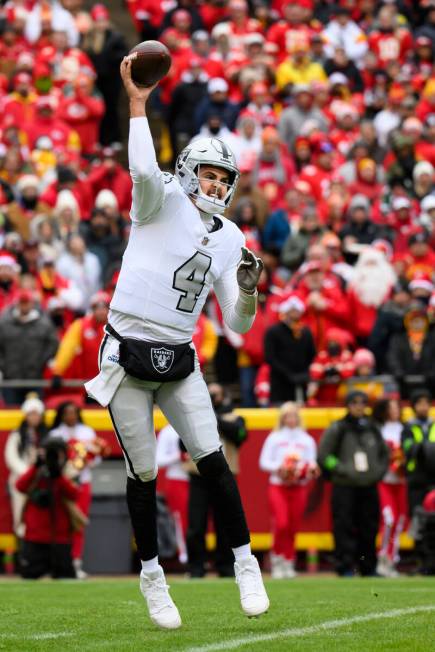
(135,93)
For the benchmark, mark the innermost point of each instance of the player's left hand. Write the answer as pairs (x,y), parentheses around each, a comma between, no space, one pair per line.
(249,270)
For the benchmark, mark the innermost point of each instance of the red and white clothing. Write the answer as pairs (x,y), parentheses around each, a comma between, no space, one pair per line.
(392,495)
(80,433)
(391,46)
(168,456)
(287,501)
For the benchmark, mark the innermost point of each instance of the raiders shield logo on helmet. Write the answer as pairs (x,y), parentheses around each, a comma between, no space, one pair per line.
(162,359)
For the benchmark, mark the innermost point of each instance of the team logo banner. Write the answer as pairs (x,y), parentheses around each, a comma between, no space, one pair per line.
(162,359)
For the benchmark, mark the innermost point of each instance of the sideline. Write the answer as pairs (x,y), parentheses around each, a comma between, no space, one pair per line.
(298,632)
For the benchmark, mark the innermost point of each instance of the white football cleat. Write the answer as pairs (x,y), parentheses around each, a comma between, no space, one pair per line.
(253,596)
(161,607)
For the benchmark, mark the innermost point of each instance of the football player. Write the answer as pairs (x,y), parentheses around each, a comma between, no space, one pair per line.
(180,246)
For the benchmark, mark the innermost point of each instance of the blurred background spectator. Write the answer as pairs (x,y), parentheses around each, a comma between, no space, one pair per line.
(330,111)
(289,455)
(392,489)
(355,457)
(85,451)
(21,452)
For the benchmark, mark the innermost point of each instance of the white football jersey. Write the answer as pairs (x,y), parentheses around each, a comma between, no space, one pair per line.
(171,260)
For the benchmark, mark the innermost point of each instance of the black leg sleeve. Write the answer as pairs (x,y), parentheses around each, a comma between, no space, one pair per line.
(142,505)
(223,487)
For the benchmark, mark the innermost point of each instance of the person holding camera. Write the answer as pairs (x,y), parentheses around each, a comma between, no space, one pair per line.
(21,452)
(46,547)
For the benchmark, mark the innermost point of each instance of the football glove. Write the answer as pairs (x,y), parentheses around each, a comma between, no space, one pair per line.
(248,271)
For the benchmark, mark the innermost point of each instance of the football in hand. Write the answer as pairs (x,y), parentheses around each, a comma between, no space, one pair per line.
(150,62)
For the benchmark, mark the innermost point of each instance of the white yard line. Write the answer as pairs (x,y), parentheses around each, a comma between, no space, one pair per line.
(298,632)
(43,636)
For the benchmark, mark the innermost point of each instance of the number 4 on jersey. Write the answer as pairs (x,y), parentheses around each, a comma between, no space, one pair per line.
(189,279)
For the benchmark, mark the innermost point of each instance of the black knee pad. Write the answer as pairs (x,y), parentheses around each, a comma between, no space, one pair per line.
(213,466)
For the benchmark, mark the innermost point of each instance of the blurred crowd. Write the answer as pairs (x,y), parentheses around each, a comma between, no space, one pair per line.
(330,111)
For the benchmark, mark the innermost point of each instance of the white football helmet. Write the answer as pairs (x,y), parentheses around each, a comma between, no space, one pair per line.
(206,151)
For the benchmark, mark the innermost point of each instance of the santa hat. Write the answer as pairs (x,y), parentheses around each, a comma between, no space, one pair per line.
(9,261)
(364,358)
(292,303)
(27,181)
(421,281)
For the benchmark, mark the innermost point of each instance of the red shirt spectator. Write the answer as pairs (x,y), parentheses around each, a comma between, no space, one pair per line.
(112,176)
(46,123)
(83,112)
(326,304)
(20,104)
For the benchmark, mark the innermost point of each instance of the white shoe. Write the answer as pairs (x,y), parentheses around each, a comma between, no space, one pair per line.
(289,569)
(253,596)
(161,607)
(277,566)
(80,573)
(383,566)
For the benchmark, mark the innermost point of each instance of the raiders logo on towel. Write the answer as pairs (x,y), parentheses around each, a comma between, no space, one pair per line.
(162,359)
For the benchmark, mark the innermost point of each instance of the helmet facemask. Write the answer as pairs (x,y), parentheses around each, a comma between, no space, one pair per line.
(206,152)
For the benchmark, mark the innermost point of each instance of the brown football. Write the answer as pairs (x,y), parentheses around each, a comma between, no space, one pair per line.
(151,62)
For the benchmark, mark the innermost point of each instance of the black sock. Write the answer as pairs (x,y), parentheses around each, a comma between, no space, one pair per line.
(223,486)
(141,501)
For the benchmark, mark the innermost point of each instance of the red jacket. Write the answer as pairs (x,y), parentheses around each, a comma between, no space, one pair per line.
(62,136)
(115,179)
(79,347)
(81,191)
(47,524)
(253,340)
(336,313)
(390,46)
(363,317)
(84,114)
(8,297)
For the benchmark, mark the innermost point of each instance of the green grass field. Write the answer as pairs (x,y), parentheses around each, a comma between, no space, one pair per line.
(308,614)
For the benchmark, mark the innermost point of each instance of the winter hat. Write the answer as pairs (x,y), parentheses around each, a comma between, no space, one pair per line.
(359,201)
(428,203)
(32,404)
(421,281)
(106,198)
(27,181)
(66,199)
(217,85)
(363,358)
(423,167)
(351,396)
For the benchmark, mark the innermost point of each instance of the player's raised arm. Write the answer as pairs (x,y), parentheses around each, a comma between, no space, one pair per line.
(148,185)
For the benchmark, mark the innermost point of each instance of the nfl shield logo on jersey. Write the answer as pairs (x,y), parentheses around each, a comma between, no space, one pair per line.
(162,359)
